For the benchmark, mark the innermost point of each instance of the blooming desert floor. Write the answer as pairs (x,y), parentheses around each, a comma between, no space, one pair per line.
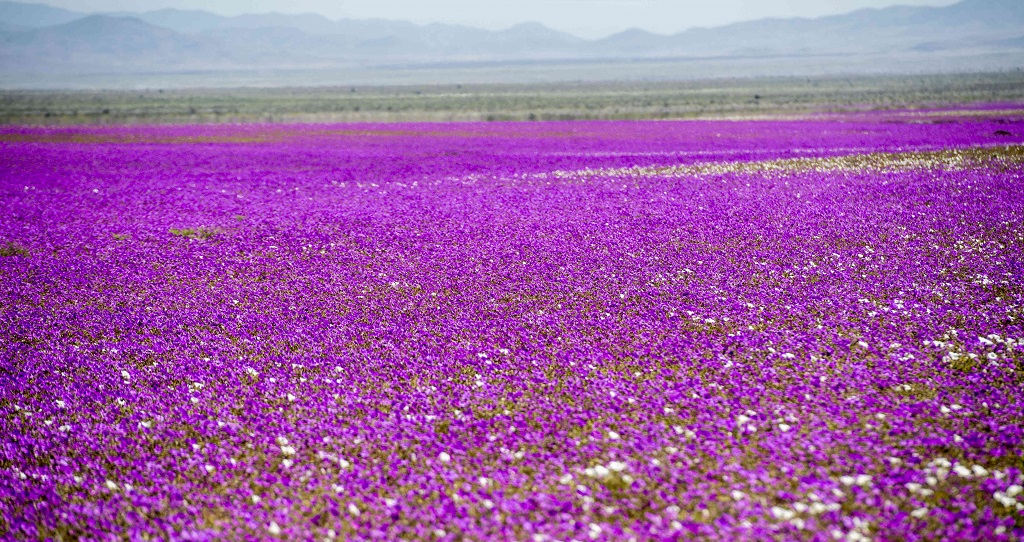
(773,329)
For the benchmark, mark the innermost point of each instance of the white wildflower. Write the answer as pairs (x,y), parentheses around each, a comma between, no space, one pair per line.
(782,513)
(1004,499)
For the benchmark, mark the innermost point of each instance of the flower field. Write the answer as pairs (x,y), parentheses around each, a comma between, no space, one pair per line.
(777,329)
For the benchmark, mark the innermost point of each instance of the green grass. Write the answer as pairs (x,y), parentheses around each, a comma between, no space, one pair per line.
(11,249)
(194,233)
(556,101)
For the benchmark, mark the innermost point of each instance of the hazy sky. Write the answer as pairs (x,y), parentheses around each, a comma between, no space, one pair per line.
(589,18)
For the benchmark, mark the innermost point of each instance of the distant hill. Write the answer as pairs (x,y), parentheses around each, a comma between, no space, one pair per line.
(38,38)
(179,20)
(20,14)
(113,43)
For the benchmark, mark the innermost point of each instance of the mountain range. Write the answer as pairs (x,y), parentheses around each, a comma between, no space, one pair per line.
(36,38)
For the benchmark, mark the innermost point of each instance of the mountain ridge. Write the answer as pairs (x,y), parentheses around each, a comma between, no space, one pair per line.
(35,37)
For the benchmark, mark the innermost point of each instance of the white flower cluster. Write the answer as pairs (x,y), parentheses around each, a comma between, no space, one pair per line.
(860,480)
(601,471)
(857,534)
(286,450)
(1008,497)
(743,422)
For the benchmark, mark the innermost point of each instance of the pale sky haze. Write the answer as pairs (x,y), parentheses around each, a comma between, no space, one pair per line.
(585,18)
